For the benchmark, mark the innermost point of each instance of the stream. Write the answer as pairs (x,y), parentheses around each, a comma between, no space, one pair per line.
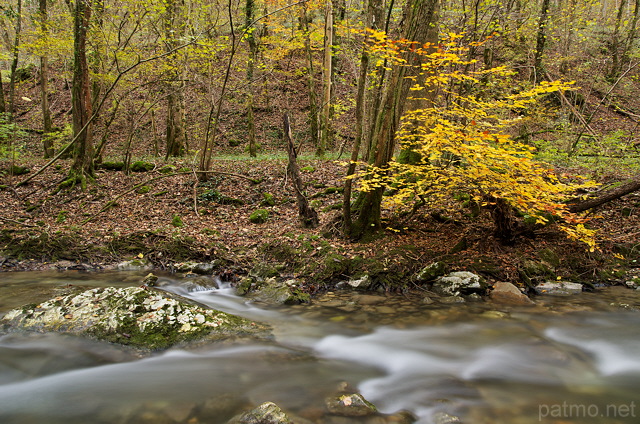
(570,359)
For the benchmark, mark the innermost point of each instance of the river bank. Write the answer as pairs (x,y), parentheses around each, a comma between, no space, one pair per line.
(167,219)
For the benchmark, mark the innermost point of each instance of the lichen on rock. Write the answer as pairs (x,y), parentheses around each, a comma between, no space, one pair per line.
(135,316)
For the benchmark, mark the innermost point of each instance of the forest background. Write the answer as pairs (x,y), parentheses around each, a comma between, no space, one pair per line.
(471,129)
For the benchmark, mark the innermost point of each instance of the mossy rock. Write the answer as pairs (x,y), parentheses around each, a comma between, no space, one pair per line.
(111,166)
(280,293)
(431,272)
(550,257)
(167,169)
(135,316)
(18,170)
(263,271)
(259,216)
(141,166)
(268,199)
(143,189)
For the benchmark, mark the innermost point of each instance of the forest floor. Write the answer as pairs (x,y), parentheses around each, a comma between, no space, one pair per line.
(170,218)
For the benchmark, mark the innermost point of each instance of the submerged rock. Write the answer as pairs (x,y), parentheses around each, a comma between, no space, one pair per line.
(267,413)
(350,405)
(135,316)
(559,288)
(457,283)
(280,293)
(138,264)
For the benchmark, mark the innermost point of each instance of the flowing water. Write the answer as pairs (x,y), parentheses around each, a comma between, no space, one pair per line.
(564,360)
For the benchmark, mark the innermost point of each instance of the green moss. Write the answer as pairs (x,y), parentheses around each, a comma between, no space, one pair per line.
(141,166)
(176,221)
(268,199)
(111,166)
(143,189)
(259,216)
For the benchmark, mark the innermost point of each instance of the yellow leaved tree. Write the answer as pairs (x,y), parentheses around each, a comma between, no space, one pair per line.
(456,145)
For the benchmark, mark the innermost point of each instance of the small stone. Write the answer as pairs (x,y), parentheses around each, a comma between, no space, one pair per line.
(362,283)
(267,413)
(504,292)
(449,300)
(385,310)
(559,288)
(368,299)
(461,282)
(350,405)
(150,279)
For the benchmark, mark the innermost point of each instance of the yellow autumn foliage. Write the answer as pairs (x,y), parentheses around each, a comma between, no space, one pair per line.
(463,144)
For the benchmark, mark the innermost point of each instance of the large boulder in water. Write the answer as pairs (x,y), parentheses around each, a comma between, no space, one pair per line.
(136,316)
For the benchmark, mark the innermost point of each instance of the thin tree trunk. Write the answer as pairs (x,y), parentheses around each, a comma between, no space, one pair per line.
(14,60)
(313,102)
(175,133)
(616,54)
(47,122)
(541,40)
(253,55)
(3,107)
(81,96)
(325,119)
(308,216)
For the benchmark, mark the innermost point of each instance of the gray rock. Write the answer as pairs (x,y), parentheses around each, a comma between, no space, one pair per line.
(444,418)
(362,283)
(267,413)
(140,317)
(427,300)
(139,264)
(559,288)
(507,293)
(282,293)
(201,268)
(457,283)
(449,300)
(431,272)
(350,405)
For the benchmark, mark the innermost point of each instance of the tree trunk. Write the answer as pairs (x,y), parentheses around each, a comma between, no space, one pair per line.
(174,28)
(616,54)
(253,56)
(372,5)
(325,119)
(541,39)
(14,61)
(81,96)
(419,24)
(47,122)
(308,215)
(3,108)
(578,205)
(313,102)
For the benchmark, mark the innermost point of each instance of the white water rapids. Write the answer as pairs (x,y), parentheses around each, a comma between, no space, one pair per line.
(529,367)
